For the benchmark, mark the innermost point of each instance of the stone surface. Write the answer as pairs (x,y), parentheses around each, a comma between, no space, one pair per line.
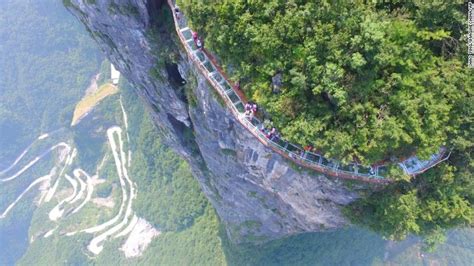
(258,194)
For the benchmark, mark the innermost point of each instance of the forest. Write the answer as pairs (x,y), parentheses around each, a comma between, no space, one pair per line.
(361,81)
(46,61)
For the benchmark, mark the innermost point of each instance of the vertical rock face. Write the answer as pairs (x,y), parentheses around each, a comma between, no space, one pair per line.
(258,194)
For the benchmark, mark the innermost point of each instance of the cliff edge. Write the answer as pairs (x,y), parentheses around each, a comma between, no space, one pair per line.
(258,194)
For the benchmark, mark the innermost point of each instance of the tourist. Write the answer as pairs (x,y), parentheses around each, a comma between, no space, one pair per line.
(273,131)
(268,134)
(199,44)
(254,108)
(371,171)
(267,123)
(301,153)
(265,131)
(178,13)
(275,137)
(248,109)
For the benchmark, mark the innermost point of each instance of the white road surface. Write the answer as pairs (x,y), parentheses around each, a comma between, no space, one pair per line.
(110,134)
(89,188)
(34,183)
(44,136)
(124,223)
(33,162)
(81,190)
(120,159)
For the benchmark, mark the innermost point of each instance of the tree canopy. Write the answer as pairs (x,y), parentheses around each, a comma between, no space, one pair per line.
(360,81)
(46,61)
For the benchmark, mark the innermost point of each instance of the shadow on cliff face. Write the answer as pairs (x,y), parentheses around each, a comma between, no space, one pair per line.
(342,247)
(153,7)
(351,247)
(185,135)
(174,76)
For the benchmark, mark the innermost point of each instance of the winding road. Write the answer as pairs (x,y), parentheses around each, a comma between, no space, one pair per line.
(80,186)
(34,183)
(120,158)
(31,163)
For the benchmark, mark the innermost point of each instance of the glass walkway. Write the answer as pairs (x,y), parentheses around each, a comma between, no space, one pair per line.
(317,162)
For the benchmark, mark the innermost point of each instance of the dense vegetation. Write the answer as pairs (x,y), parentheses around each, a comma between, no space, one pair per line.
(352,247)
(361,81)
(46,61)
(169,196)
(435,201)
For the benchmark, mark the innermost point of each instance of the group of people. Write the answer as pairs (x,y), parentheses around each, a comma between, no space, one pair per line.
(197,40)
(309,148)
(251,109)
(271,134)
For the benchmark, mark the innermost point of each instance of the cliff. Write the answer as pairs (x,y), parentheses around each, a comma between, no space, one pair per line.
(258,194)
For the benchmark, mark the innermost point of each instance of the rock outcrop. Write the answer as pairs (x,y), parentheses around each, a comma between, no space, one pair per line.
(258,194)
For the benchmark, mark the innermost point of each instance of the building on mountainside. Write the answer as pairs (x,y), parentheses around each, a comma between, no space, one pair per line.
(114,74)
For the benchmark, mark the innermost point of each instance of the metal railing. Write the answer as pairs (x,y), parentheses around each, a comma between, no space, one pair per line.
(288,150)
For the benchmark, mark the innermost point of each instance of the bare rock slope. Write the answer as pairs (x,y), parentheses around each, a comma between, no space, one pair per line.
(258,194)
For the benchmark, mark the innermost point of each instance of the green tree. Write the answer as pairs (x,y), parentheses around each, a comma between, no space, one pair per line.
(372,75)
(366,81)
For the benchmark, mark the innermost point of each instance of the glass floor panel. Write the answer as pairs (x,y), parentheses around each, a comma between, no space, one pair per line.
(240,107)
(332,164)
(209,67)
(200,55)
(383,171)
(226,86)
(233,97)
(293,148)
(192,45)
(255,121)
(347,167)
(364,170)
(187,34)
(279,142)
(312,157)
(324,161)
(218,78)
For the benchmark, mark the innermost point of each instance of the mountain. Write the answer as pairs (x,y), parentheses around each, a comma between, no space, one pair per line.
(46,61)
(89,172)
(266,189)
(258,194)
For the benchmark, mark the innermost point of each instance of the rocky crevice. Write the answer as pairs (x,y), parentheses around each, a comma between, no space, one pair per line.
(258,194)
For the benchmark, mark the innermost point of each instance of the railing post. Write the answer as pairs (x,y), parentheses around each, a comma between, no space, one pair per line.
(297,158)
